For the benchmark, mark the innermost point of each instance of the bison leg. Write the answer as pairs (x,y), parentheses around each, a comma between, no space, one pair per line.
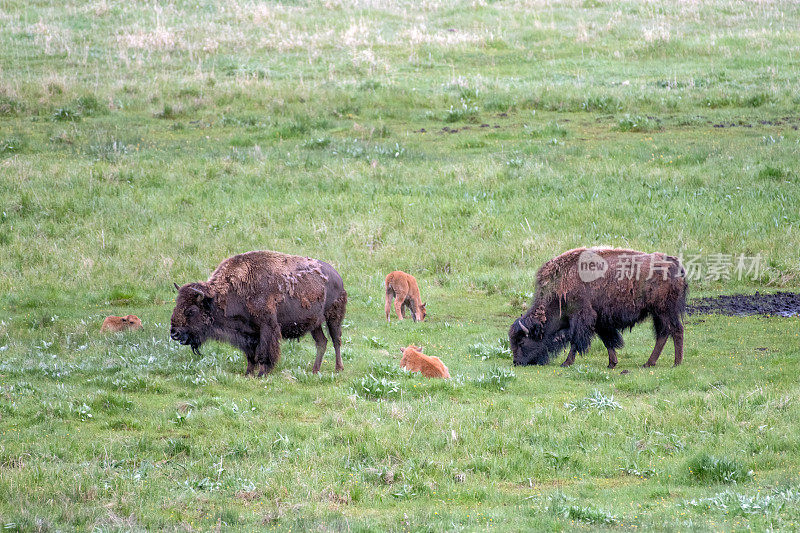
(581,331)
(413,308)
(322,344)
(398,305)
(335,331)
(268,351)
(251,364)
(677,339)
(388,306)
(660,342)
(334,317)
(612,340)
(612,358)
(570,357)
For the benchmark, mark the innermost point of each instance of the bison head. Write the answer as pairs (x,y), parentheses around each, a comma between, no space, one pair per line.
(192,317)
(421,313)
(534,344)
(526,341)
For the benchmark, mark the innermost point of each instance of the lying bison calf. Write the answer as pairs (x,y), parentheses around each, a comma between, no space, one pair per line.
(255,299)
(121,323)
(600,291)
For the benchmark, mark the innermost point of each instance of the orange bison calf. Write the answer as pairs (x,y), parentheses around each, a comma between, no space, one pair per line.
(414,360)
(255,299)
(121,323)
(600,291)
(403,289)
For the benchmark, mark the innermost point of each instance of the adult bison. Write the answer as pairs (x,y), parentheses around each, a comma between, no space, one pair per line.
(255,299)
(600,291)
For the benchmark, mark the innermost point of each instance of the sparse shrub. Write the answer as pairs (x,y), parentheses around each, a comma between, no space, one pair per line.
(193,92)
(375,388)
(111,403)
(65,114)
(467,111)
(735,503)
(386,369)
(635,470)
(709,469)
(249,120)
(167,112)
(88,105)
(597,400)
(9,106)
(107,151)
(715,102)
(404,492)
(497,350)
(369,85)
(590,373)
(773,173)
(638,123)
(13,145)
(374,342)
(600,103)
(561,505)
(499,103)
(553,130)
(317,144)
(83,411)
(757,100)
(294,128)
(496,378)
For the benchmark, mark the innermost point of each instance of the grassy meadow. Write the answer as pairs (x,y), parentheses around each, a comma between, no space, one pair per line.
(463,142)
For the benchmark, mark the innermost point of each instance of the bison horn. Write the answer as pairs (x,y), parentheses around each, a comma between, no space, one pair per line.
(523,328)
(198,291)
(176,286)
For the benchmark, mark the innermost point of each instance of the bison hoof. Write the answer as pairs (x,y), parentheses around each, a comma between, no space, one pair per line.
(566,364)
(611,365)
(648,365)
(339,368)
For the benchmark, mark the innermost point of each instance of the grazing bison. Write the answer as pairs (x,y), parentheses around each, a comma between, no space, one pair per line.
(255,299)
(403,289)
(600,291)
(121,323)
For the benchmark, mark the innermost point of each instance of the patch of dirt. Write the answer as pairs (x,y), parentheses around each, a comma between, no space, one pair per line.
(778,304)
(784,121)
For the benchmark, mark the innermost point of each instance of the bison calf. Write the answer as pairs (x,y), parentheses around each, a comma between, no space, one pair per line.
(600,291)
(403,289)
(414,360)
(255,299)
(121,323)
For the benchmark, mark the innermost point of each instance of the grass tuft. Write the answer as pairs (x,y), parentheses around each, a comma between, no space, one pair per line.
(497,378)
(560,505)
(596,401)
(638,123)
(710,469)
(376,388)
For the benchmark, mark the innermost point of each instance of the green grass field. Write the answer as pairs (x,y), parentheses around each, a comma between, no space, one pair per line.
(465,143)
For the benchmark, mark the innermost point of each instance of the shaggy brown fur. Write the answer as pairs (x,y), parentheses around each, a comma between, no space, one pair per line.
(403,289)
(414,360)
(121,323)
(569,310)
(255,299)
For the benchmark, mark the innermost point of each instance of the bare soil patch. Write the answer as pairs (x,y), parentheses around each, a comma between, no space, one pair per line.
(777,304)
